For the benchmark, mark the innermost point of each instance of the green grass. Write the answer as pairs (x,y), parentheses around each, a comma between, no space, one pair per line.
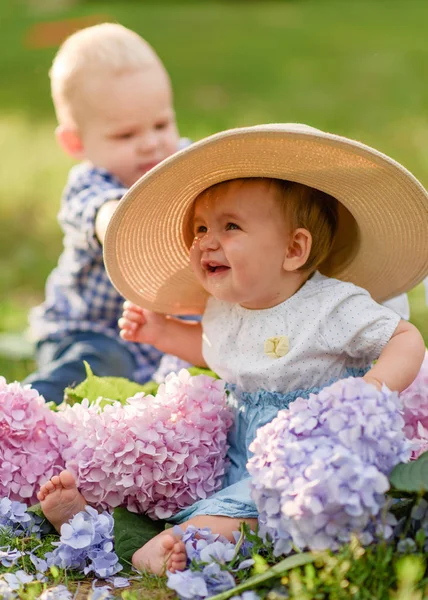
(378,572)
(357,68)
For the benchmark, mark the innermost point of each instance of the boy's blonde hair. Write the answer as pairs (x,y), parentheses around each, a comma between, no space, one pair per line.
(303,207)
(108,48)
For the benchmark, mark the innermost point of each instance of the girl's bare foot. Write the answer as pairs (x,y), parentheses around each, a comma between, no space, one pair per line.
(60,499)
(162,553)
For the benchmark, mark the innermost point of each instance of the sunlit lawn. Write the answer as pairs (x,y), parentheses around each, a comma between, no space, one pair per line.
(356,68)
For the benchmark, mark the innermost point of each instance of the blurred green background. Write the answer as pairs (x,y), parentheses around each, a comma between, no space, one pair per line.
(358,68)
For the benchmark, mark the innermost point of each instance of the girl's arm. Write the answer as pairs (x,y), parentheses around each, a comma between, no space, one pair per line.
(167,334)
(400,360)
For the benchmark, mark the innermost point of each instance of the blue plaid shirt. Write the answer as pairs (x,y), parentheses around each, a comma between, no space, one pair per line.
(79,295)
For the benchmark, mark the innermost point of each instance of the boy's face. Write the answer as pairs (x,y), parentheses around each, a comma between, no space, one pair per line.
(240,240)
(128,123)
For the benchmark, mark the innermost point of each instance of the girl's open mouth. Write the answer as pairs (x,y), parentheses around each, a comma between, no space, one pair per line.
(211,268)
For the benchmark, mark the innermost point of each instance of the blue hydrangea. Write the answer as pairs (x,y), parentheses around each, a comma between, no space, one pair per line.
(196,540)
(189,585)
(118,582)
(59,592)
(319,470)
(6,593)
(249,595)
(213,560)
(9,557)
(15,517)
(86,544)
(100,592)
(18,579)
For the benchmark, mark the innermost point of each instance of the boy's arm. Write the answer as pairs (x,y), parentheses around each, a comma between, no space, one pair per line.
(400,360)
(103,217)
(167,334)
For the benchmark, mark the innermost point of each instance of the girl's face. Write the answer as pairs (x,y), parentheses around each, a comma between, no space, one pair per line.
(240,241)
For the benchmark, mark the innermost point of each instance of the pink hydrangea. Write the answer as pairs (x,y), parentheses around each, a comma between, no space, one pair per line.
(29,449)
(415,403)
(154,454)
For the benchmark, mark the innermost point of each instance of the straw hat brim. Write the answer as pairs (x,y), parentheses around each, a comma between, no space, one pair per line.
(382,243)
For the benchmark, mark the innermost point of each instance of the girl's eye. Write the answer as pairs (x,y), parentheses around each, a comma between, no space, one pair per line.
(126,135)
(230,226)
(200,229)
(161,125)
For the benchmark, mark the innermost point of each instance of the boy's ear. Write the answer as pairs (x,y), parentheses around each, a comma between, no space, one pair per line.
(298,250)
(70,141)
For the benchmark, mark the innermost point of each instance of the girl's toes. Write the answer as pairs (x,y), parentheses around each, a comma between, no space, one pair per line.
(178,563)
(49,487)
(41,495)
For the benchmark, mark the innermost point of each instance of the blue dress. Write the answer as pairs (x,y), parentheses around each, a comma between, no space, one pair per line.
(327,330)
(251,411)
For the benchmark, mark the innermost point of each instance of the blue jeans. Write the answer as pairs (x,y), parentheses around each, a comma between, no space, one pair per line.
(60,363)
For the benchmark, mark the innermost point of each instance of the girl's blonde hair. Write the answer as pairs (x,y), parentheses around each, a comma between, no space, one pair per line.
(317,212)
(107,48)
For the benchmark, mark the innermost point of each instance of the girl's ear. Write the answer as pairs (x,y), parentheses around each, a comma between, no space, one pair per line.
(70,141)
(298,250)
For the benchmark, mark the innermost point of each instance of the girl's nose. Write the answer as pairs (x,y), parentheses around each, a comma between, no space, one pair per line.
(208,241)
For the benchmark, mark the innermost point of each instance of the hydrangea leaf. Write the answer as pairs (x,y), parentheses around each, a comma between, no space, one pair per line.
(131,532)
(110,388)
(202,371)
(115,388)
(46,528)
(411,477)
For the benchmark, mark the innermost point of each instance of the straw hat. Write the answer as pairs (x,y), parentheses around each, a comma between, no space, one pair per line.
(382,242)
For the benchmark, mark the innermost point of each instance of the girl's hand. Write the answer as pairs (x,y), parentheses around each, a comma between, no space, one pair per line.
(141,325)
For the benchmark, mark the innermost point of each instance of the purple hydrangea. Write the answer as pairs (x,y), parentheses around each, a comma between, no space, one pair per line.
(86,544)
(154,455)
(29,442)
(319,470)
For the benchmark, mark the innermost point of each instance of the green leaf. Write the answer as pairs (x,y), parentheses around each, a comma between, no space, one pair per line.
(46,527)
(131,532)
(402,507)
(278,570)
(108,388)
(112,389)
(202,371)
(411,477)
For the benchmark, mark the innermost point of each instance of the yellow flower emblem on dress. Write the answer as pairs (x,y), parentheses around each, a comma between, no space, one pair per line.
(275,347)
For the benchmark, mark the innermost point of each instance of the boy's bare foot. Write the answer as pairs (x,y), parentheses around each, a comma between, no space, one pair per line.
(60,499)
(162,553)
